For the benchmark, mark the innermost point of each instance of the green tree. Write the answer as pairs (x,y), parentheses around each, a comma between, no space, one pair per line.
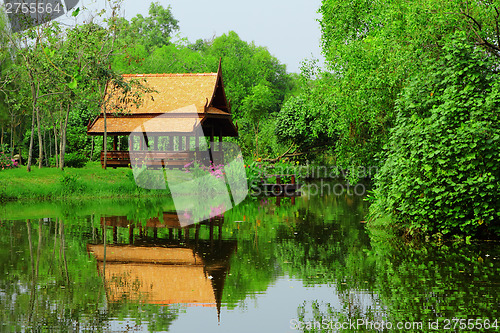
(371,49)
(441,172)
(256,107)
(153,31)
(245,66)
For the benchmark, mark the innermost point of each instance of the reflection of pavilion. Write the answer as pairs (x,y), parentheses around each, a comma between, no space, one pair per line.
(176,270)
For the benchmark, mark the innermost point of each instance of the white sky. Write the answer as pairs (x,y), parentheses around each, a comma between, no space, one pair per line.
(288,28)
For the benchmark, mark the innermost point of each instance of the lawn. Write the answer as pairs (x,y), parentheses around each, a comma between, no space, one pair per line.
(73,183)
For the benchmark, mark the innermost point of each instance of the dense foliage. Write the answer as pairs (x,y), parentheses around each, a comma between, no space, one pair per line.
(56,84)
(417,77)
(442,172)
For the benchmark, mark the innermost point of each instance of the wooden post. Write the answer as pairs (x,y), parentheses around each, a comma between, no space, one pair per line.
(220,229)
(131,234)
(220,140)
(211,231)
(197,233)
(115,142)
(188,143)
(212,134)
(211,149)
(115,234)
(170,146)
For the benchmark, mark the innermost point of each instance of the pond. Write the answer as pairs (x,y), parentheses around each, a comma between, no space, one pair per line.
(268,265)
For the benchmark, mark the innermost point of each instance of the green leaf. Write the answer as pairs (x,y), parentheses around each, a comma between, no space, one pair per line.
(73,84)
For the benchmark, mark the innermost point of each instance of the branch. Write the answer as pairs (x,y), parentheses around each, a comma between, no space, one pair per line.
(496,24)
(274,160)
(473,19)
(304,151)
(49,94)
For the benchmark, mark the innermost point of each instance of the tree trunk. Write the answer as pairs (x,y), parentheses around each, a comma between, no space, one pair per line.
(40,140)
(12,139)
(34,94)
(13,146)
(63,139)
(105,140)
(55,145)
(92,148)
(257,139)
(45,148)
(30,151)
(50,148)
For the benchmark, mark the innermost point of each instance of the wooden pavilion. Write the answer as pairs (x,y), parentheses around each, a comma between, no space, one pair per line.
(179,120)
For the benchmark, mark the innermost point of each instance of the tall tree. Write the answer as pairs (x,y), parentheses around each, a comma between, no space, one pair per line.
(371,49)
(153,31)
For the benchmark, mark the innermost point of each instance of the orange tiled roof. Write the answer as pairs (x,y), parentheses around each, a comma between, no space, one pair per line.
(198,96)
(174,91)
(160,125)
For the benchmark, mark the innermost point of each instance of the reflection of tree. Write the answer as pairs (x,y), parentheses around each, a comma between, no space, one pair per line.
(396,282)
(319,241)
(309,241)
(48,281)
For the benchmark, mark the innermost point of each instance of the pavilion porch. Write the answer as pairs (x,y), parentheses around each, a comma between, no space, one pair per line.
(163,151)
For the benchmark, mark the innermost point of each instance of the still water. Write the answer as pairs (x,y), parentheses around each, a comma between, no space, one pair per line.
(265,266)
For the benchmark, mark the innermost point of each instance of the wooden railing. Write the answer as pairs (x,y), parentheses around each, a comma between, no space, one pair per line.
(175,159)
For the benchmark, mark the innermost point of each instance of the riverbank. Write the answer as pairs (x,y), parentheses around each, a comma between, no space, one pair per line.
(89,182)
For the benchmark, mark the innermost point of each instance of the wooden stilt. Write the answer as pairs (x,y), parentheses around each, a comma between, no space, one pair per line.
(130,234)
(170,146)
(115,235)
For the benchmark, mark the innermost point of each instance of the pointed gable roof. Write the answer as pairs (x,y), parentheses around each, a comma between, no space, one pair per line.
(175,91)
(172,94)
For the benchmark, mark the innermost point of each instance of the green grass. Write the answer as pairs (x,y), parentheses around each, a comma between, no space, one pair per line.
(85,183)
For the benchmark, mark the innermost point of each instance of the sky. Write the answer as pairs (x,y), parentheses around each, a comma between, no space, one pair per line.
(288,28)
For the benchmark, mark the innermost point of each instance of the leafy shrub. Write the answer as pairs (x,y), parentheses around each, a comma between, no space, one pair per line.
(442,167)
(70,184)
(75,160)
(6,162)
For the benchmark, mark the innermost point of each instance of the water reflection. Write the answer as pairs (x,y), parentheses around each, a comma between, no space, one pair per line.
(179,268)
(262,265)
